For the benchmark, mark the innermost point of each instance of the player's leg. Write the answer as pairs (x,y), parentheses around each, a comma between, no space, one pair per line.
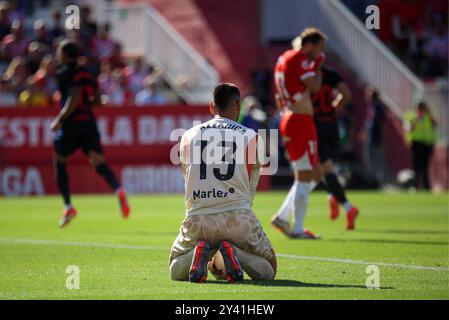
(180,266)
(190,253)
(91,146)
(280,221)
(241,233)
(303,177)
(98,162)
(256,267)
(65,144)
(62,179)
(339,193)
(193,265)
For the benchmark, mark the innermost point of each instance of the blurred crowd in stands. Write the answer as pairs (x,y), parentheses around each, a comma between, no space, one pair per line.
(28,67)
(416,30)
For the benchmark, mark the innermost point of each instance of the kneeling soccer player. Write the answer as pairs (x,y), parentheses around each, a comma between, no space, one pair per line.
(221,233)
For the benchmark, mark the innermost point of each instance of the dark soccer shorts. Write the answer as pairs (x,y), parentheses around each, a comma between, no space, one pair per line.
(82,135)
(328,142)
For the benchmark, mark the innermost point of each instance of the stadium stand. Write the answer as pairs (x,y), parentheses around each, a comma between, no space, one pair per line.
(178,56)
(28,67)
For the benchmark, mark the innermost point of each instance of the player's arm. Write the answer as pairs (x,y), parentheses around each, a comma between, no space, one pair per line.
(313,84)
(72,102)
(254,161)
(312,78)
(184,154)
(343,98)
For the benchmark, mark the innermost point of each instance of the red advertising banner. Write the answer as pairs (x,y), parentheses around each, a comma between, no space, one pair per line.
(136,142)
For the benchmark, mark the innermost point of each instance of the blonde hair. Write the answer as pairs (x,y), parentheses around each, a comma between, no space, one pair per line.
(297,43)
(309,35)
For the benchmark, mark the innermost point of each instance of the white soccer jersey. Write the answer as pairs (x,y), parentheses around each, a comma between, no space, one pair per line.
(220,167)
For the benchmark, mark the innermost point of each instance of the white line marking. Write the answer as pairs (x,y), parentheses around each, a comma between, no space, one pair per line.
(81,244)
(361,262)
(152,248)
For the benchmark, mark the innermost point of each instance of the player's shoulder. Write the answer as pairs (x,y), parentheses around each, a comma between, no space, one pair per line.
(67,69)
(290,54)
(219,124)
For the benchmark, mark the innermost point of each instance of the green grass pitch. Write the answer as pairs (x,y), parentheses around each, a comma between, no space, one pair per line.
(405,235)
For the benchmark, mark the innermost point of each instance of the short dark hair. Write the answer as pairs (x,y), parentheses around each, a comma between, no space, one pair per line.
(312,35)
(70,49)
(225,94)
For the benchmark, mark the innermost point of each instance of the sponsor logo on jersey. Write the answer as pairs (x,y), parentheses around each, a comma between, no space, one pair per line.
(201,194)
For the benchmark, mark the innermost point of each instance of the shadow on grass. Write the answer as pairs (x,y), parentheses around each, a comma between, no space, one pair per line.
(297,284)
(386,241)
(412,232)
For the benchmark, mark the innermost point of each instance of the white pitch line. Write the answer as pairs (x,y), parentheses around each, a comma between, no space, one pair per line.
(361,262)
(151,248)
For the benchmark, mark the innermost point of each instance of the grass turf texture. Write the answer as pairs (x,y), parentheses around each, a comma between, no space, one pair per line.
(393,228)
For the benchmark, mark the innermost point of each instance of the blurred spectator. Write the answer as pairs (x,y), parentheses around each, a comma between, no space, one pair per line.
(105,77)
(136,74)
(47,75)
(41,35)
(35,96)
(116,59)
(252,115)
(113,86)
(88,27)
(421,134)
(372,136)
(16,43)
(7,97)
(5,23)
(56,30)
(27,60)
(261,81)
(15,10)
(36,52)
(17,74)
(416,30)
(150,95)
(436,50)
(103,44)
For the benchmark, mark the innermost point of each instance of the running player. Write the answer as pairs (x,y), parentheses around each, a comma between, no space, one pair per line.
(326,108)
(297,78)
(220,224)
(75,127)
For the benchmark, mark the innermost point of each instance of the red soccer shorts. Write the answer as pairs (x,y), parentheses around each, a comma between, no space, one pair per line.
(300,138)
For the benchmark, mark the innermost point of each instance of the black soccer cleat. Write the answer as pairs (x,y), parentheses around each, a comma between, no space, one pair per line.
(231,262)
(198,270)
